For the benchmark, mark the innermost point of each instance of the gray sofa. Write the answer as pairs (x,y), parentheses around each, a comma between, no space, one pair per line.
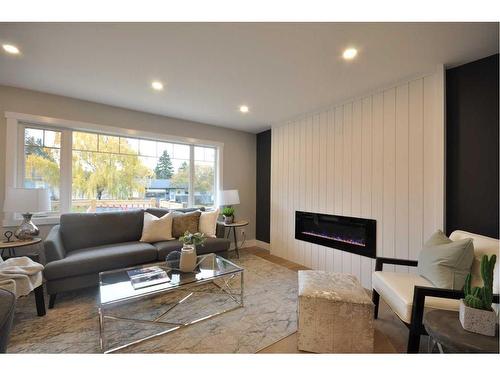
(84,244)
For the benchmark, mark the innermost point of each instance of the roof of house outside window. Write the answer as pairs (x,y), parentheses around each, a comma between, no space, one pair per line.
(162,183)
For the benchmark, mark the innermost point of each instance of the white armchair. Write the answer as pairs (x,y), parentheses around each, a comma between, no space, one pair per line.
(407,294)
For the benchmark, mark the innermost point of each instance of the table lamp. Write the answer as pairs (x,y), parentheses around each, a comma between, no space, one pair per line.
(26,202)
(227,198)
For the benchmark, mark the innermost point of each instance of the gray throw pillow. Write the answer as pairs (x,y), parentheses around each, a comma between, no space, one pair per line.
(446,263)
(183,222)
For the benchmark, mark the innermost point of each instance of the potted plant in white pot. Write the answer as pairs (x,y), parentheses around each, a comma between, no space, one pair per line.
(187,262)
(228,214)
(476,314)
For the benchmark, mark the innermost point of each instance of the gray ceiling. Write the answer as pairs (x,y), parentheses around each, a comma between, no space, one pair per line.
(278,69)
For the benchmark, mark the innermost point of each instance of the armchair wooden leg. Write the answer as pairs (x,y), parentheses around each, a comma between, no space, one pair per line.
(52,300)
(376,301)
(413,341)
(417,315)
(40,301)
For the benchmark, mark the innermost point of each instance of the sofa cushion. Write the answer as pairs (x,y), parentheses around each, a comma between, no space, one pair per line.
(190,209)
(212,245)
(83,230)
(166,247)
(185,222)
(159,212)
(396,289)
(7,307)
(101,258)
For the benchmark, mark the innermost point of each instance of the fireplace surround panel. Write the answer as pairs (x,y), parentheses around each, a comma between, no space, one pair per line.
(352,234)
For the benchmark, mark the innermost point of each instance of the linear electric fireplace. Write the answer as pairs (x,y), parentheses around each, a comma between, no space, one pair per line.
(351,234)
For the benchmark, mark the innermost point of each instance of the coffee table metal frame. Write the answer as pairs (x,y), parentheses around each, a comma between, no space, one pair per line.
(189,288)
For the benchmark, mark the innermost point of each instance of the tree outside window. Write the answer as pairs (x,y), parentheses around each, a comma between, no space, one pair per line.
(116,173)
(164,168)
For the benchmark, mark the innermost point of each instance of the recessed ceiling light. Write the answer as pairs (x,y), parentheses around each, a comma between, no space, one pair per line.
(9,48)
(350,53)
(244,109)
(157,85)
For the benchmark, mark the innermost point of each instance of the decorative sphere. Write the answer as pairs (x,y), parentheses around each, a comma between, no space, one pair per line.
(174,255)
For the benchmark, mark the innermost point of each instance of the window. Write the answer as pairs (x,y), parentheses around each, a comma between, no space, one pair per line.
(115,173)
(88,171)
(42,162)
(204,176)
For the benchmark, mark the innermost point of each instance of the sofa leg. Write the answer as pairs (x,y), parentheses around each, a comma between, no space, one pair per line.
(52,300)
(40,301)
(413,341)
(375,300)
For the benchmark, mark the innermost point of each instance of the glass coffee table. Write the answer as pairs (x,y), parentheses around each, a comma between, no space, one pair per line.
(115,288)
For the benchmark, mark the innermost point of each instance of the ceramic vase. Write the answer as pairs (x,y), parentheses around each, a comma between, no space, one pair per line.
(476,320)
(188,258)
(228,219)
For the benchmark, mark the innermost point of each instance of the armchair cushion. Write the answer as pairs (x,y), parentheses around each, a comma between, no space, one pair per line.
(446,263)
(396,289)
(482,245)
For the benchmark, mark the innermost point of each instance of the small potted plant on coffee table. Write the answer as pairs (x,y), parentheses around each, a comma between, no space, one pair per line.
(188,253)
(228,214)
(476,314)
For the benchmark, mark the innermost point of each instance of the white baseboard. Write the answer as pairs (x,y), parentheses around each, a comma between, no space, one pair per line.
(252,243)
(247,243)
(262,245)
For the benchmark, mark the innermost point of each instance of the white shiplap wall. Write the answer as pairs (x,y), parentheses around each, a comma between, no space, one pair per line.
(380,157)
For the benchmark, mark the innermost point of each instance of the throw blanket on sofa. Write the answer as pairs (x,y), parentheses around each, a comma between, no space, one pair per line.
(20,275)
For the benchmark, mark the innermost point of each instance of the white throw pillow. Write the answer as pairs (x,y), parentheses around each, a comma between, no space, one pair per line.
(157,228)
(208,223)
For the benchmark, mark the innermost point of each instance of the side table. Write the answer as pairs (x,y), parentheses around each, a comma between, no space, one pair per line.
(446,332)
(10,248)
(233,226)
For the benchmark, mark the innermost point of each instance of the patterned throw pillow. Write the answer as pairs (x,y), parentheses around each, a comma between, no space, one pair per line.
(183,222)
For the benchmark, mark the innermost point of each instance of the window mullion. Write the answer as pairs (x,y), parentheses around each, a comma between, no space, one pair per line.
(191,176)
(66,170)
(20,167)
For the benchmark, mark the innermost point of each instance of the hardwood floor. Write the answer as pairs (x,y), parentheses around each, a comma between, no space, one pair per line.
(391,334)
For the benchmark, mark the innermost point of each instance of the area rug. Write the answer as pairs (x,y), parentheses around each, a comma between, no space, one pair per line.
(269,315)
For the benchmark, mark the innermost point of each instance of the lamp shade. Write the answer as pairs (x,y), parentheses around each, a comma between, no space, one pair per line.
(26,200)
(229,197)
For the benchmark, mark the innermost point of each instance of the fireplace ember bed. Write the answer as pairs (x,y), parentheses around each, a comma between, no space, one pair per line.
(352,234)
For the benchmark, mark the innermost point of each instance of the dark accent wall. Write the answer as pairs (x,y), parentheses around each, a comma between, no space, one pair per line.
(472,147)
(263,209)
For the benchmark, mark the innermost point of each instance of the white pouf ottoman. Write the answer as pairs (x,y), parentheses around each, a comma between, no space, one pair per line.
(335,314)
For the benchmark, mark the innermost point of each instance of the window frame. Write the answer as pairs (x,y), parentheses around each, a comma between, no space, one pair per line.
(21,166)
(14,171)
